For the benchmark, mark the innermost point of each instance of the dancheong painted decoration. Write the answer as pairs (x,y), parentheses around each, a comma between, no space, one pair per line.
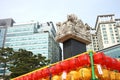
(86,66)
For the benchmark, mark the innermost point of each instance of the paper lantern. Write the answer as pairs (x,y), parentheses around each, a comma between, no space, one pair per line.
(58,68)
(112,75)
(56,77)
(117,76)
(65,65)
(73,75)
(73,63)
(39,74)
(114,63)
(45,72)
(118,66)
(53,70)
(29,76)
(85,74)
(99,58)
(21,78)
(105,75)
(44,79)
(36,75)
(84,60)
(108,61)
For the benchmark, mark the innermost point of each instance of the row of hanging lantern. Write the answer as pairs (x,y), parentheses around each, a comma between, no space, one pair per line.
(78,68)
(106,61)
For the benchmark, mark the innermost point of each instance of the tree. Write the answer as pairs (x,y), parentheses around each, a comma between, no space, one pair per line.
(4,58)
(23,61)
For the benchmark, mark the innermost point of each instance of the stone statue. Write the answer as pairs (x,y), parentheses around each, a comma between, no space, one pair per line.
(72,26)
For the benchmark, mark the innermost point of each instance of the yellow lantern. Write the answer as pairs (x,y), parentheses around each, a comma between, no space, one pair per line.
(117,76)
(112,75)
(105,75)
(45,78)
(85,73)
(56,77)
(73,75)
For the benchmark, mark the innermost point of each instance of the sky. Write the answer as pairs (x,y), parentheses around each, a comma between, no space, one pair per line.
(57,10)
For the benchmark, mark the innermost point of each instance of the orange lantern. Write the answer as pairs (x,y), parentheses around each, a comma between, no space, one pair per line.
(84,59)
(99,58)
(84,74)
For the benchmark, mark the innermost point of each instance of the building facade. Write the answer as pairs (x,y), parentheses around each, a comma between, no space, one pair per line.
(94,42)
(32,36)
(106,30)
(35,37)
(4,23)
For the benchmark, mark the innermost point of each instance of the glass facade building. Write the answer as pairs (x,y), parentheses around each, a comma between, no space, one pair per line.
(35,37)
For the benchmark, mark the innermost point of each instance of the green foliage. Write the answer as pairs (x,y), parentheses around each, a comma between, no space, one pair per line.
(22,61)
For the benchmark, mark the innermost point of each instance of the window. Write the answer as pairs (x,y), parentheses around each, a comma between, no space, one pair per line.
(103,25)
(113,41)
(110,28)
(112,34)
(104,32)
(110,24)
(105,35)
(103,28)
(105,38)
(106,42)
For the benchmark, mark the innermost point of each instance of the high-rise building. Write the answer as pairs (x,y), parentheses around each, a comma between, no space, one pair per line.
(4,23)
(107,31)
(94,43)
(32,36)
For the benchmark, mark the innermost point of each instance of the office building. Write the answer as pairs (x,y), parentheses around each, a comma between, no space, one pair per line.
(4,23)
(35,37)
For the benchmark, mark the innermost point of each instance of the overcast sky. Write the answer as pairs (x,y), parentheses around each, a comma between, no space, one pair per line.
(57,10)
